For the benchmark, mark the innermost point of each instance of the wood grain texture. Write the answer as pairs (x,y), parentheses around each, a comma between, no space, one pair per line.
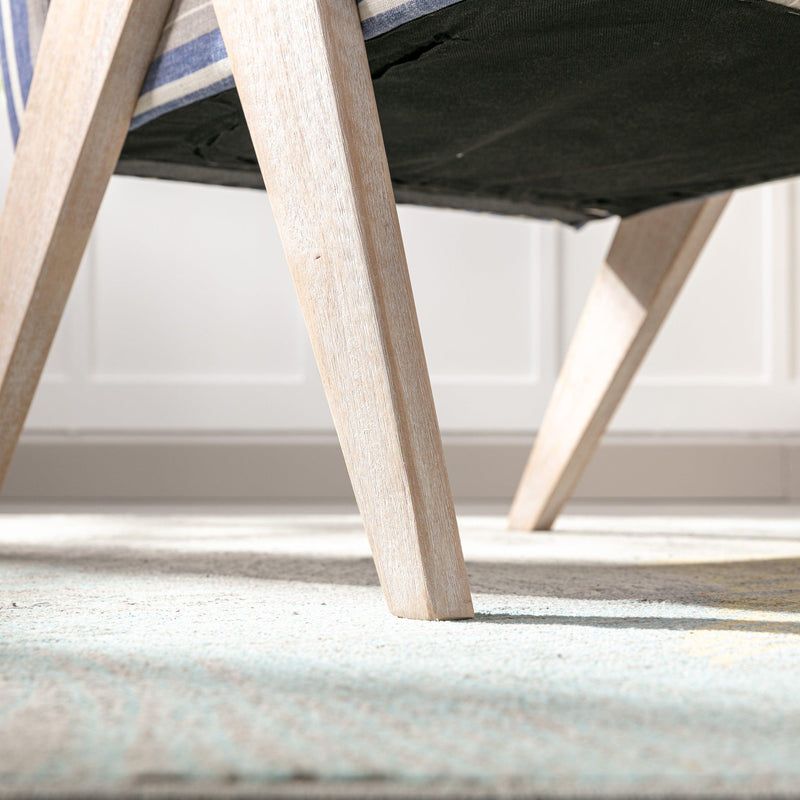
(91,64)
(302,75)
(648,263)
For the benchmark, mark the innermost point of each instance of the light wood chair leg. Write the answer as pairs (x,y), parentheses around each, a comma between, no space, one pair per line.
(92,61)
(302,75)
(649,260)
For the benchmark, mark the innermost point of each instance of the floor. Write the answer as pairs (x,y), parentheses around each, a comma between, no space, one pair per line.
(174,653)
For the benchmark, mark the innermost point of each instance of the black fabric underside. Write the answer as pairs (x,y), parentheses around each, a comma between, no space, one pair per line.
(566,109)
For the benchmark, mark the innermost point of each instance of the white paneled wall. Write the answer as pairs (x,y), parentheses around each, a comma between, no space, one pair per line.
(184,319)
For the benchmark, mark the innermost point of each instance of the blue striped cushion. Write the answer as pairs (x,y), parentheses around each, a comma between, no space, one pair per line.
(190,62)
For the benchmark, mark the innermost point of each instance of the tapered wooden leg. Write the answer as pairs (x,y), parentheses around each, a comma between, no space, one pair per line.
(91,64)
(302,75)
(649,260)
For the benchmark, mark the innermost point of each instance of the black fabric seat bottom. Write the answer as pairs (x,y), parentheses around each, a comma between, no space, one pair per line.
(566,109)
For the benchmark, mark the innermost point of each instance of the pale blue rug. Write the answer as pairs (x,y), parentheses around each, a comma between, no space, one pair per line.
(195,655)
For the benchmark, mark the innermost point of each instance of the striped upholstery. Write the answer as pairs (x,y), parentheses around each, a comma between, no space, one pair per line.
(190,63)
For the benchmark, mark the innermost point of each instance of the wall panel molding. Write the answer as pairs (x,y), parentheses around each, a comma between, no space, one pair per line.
(188,324)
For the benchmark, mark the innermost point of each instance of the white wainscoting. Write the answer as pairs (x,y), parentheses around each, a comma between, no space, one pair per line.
(183,318)
(183,321)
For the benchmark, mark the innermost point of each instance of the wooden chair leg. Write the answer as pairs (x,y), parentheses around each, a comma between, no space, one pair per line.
(302,74)
(92,61)
(649,260)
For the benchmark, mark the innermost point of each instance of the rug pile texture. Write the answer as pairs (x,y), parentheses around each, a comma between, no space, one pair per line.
(187,654)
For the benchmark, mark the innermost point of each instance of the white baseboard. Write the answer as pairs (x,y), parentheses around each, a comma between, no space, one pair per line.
(309,468)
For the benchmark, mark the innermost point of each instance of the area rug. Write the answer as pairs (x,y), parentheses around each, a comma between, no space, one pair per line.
(187,654)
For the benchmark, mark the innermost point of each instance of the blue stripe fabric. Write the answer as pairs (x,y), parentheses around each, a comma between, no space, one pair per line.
(184,60)
(12,112)
(386,21)
(19,15)
(191,62)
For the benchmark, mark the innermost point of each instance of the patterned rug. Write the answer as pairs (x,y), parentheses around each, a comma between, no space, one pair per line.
(242,655)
